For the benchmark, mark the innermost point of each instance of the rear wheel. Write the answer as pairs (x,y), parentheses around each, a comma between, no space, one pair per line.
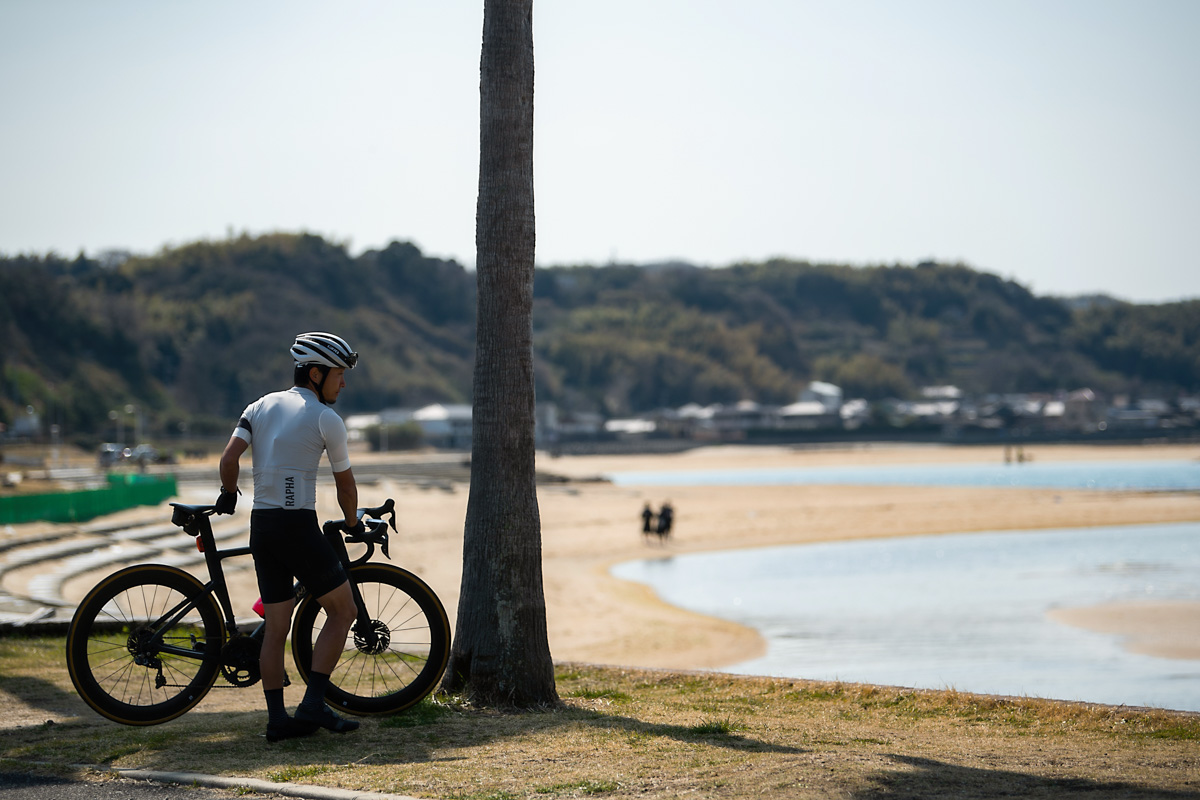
(398,659)
(144,646)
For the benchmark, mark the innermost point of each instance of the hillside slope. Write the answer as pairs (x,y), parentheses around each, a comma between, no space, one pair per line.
(191,334)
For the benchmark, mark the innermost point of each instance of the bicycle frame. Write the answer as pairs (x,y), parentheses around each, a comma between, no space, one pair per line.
(198,524)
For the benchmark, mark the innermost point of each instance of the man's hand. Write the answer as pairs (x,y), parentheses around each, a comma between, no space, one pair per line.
(354,529)
(226,501)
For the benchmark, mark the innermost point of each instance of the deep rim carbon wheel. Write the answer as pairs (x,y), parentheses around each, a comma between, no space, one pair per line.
(135,655)
(398,659)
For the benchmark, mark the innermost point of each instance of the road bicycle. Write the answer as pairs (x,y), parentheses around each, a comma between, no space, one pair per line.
(149,641)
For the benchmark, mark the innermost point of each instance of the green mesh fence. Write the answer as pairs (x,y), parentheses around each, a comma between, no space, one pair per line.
(122,492)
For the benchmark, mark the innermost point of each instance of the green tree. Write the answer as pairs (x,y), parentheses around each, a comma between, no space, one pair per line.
(864,375)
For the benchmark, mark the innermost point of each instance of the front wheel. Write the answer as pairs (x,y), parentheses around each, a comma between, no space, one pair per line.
(144,646)
(398,659)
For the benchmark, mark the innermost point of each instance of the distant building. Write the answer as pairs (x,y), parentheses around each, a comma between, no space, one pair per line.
(824,393)
(746,415)
(1082,412)
(580,424)
(358,425)
(932,412)
(27,425)
(696,421)
(809,415)
(855,413)
(941,393)
(446,426)
(630,428)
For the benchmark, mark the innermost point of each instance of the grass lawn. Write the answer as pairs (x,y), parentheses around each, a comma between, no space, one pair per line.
(625,733)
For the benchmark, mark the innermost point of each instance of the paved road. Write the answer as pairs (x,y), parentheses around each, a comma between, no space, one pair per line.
(21,786)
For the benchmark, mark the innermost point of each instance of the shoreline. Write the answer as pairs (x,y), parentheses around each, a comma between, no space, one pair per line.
(588,526)
(1167,629)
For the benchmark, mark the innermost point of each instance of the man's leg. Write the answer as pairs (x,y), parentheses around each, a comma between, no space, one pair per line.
(340,612)
(270,660)
(270,664)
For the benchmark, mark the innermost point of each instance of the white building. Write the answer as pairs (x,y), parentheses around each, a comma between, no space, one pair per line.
(809,415)
(824,393)
(446,426)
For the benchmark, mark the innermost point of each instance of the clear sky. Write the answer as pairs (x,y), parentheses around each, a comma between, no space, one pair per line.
(1054,142)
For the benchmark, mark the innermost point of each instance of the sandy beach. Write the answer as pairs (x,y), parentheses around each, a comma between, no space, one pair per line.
(587,526)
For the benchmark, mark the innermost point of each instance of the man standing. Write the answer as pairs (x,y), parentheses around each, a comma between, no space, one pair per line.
(647,521)
(289,430)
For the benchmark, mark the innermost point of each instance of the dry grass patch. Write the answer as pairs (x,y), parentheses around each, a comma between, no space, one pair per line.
(647,734)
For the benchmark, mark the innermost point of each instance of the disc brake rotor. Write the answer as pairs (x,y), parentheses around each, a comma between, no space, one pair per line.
(374,640)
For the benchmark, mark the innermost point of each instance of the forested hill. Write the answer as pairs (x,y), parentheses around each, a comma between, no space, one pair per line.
(194,333)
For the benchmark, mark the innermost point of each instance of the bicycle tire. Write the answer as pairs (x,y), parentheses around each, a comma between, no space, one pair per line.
(407,661)
(113,660)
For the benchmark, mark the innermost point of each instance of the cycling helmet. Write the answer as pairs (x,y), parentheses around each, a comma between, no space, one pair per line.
(323,349)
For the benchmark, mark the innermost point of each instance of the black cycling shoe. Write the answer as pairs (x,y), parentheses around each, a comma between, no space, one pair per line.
(290,729)
(324,718)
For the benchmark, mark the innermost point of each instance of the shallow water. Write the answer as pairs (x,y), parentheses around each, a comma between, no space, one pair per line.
(965,611)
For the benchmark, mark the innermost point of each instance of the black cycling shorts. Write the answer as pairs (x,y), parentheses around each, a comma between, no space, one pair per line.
(288,546)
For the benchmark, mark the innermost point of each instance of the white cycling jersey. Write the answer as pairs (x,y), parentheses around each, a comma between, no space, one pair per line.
(288,431)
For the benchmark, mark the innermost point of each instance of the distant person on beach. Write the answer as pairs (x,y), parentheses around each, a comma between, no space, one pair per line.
(647,521)
(666,517)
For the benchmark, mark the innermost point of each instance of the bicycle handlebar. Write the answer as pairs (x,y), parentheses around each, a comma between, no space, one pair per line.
(374,527)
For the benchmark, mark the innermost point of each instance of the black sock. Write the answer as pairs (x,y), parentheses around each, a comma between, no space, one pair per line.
(276,710)
(314,695)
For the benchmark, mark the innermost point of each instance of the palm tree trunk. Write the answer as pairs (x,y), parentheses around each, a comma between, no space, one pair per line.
(501,655)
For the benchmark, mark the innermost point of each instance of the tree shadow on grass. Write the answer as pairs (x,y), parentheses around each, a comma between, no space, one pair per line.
(684,733)
(391,740)
(927,778)
(43,694)
(234,741)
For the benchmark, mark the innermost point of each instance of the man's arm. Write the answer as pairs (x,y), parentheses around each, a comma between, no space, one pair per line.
(347,496)
(230,467)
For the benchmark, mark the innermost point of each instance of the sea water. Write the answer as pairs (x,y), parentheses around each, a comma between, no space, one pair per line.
(964,611)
